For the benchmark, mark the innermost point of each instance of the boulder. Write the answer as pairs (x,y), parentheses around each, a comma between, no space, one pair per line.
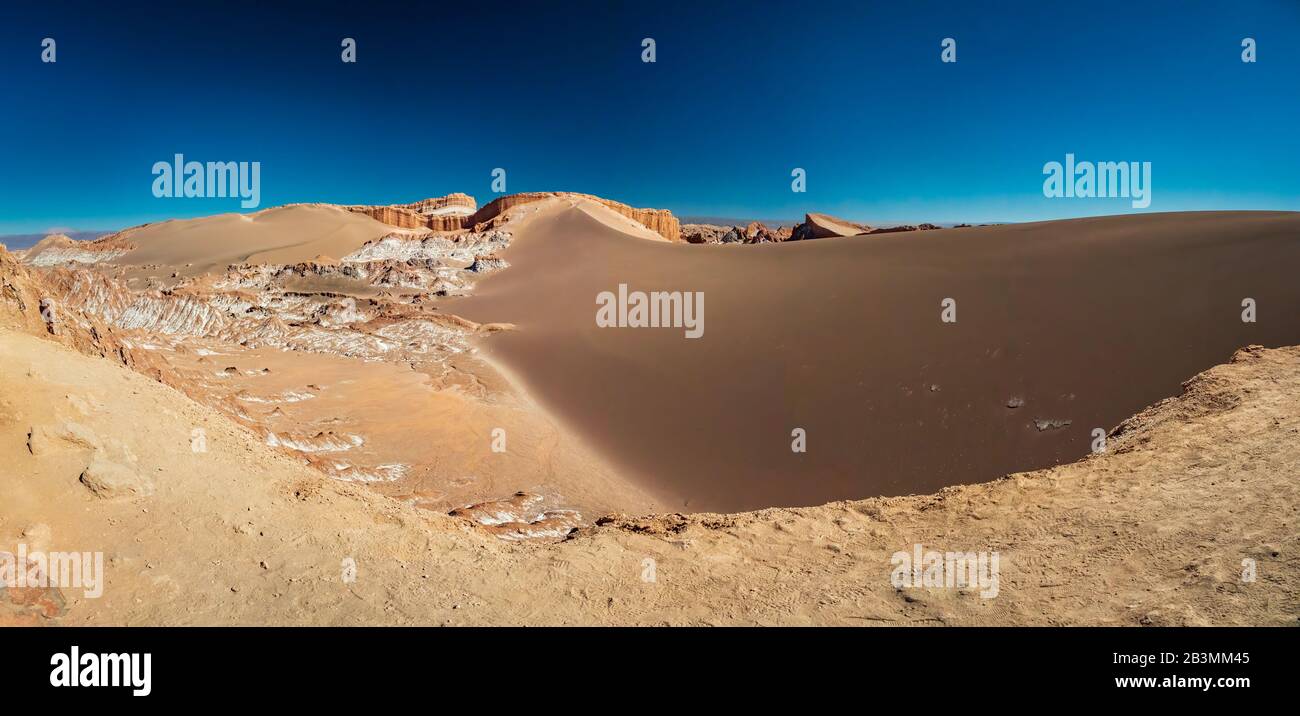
(108,479)
(45,439)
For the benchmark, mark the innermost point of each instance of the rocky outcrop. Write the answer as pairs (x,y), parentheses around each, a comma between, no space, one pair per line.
(20,299)
(521,516)
(703,233)
(462,248)
(57,249)
(757,233)
(488,264)
(815,226)
(823,226)
(30,305)
(441,213)
(456,204)
(754,233)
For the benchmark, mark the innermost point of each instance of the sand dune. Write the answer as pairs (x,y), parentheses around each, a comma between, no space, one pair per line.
(284,235)
(1062,327)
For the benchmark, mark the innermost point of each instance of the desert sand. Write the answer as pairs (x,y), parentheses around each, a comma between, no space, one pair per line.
(348,392)
(1062,328)
(285,234)
(1153,532)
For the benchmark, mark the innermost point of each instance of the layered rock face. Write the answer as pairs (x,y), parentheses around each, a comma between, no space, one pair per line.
(453,204)
(58,249)
(372,305)
(660,221)
(442,213)
(31,304)
(20,297)
(456,212)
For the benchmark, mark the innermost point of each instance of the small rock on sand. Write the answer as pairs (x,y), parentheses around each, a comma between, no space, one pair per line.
(44,439)
(108,479)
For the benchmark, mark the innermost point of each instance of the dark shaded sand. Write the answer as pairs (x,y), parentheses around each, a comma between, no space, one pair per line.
(1086,321)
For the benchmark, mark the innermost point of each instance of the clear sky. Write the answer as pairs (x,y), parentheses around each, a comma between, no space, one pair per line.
(740,94)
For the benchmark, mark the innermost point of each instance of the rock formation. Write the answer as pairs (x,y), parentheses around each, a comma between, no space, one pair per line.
(703,233)
(443,213)
(455,212)
(21,297)
(58,249)
(822,226)
(815,226)
(754,233)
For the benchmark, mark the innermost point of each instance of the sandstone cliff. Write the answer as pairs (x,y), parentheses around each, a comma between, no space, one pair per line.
(455,212)
(442,213)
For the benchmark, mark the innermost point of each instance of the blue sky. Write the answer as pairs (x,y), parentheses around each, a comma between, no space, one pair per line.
(740,94)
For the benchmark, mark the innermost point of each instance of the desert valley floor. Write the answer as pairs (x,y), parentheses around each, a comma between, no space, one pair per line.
(232,407)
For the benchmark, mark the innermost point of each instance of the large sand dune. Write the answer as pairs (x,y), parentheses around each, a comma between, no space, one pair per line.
(284,235)
(1062,327)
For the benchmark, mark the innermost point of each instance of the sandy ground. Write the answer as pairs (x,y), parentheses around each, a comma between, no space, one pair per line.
(1061,328)
(437,433)
(1153,532)
(438,427)
(1188,518)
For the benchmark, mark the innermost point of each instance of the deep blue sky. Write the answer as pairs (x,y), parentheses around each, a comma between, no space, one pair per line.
(741,93)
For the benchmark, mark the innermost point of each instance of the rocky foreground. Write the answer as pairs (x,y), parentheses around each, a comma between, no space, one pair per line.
(1155,532)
